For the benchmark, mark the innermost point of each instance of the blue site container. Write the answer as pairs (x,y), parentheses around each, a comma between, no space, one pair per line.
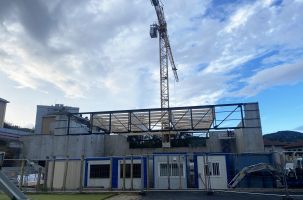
(115,174)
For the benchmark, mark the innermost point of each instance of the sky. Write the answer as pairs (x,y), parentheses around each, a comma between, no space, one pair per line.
(97,55)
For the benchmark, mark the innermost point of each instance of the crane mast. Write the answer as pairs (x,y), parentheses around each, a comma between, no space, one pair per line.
(165,52)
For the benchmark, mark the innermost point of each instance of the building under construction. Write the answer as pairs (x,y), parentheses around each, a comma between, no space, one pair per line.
(198,147)
(126,149)
(228,128)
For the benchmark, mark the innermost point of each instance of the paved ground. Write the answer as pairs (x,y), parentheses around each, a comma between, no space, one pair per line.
(126,197)
(216,196)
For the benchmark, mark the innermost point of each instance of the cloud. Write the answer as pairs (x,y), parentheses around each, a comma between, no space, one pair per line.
(251,31)
(239,18)
(229,62)
(102,49)
(50,45)
(287,74)
(300,129)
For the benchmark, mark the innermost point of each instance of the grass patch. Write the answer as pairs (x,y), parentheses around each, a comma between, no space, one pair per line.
(64,196)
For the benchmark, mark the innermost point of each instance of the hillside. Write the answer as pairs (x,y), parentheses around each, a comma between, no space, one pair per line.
(15,127)
(285,136)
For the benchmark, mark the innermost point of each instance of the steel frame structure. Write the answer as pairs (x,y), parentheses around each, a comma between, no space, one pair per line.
(149,121)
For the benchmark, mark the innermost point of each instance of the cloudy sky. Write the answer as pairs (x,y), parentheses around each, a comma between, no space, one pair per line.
(98,55)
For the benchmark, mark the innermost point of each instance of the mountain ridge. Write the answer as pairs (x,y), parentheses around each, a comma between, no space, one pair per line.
(284,136)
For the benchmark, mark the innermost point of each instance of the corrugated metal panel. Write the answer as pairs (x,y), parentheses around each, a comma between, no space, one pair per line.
(49,174)
(72,179)
(72,176)
(58,175)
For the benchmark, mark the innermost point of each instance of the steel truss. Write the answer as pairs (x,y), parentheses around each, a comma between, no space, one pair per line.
(143,121)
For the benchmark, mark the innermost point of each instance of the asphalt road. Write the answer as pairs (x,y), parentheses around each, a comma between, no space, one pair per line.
(216,196)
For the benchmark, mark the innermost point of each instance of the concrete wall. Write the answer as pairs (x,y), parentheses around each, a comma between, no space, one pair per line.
(249,139)
(214,143)
(40,146)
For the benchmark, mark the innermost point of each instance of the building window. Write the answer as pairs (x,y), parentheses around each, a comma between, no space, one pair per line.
(212,169)
(127,170)
(164,170)
(136,171)
(207,172)
(99,171)
(216,169)
(171,169)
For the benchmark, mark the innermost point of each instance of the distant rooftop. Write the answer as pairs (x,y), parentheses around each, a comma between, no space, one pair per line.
(275,143)
(6,132)
(295,145)
(3,100)
(58,108)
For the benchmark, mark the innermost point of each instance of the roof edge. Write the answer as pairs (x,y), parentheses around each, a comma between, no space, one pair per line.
(3,100)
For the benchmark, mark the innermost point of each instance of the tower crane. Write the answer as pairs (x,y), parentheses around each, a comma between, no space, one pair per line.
(165,52)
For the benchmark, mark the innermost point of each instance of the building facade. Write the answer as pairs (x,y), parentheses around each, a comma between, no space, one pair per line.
(3,103)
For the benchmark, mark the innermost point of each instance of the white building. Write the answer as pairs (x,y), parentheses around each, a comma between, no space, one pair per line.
(48,120)
(3,103)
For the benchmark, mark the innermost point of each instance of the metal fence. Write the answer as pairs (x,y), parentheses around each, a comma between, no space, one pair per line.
(27,175)
(185,171)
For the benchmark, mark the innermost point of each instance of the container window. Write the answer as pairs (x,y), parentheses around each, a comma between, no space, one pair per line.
(164,169)
(207,172)
(136,171)
(99,171)
(127,170)
(171,169)
(216,169)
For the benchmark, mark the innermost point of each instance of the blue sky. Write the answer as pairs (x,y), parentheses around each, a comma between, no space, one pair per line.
(98,55)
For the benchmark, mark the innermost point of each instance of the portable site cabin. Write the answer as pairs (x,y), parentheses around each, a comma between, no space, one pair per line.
(159,171)
(170,170)
(210,171)
(97,173)
(216,170)
(116,172)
